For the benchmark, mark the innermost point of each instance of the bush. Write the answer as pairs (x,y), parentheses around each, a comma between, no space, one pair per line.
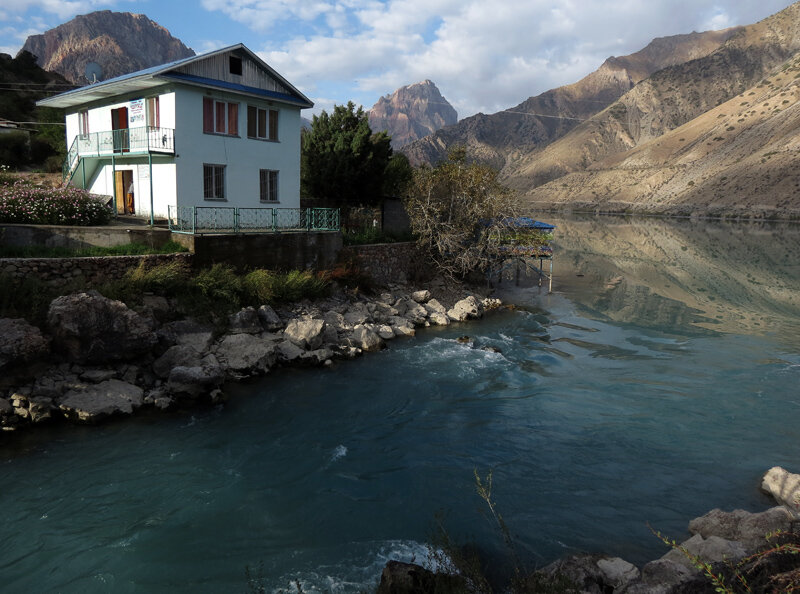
(264,286)
(23,203)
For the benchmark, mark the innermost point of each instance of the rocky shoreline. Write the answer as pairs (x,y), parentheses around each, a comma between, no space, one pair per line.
(96,358)
(720,539)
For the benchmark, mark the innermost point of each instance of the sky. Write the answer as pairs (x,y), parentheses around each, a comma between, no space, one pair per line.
(483,55)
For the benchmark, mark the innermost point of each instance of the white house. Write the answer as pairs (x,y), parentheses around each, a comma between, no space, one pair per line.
(218,129)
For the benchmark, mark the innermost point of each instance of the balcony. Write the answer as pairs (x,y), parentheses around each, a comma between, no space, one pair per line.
(125,142)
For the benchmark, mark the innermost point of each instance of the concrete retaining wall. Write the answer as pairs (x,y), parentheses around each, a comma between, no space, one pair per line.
(59,272)
(278,251)
(384,262)
(80,237)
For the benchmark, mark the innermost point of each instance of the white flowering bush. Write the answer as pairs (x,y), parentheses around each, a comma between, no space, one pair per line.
(21,202)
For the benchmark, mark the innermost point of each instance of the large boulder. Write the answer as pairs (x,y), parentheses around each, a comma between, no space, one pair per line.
(468,308)
(187,333)
(89,328)
(245,321)
(407,578)
(748,528)
(707,550)
(366,340)
(305,332)
(96,402)
(193,382)
(784,487)
(20,343)
(176,356)
(269,319)
(244,354)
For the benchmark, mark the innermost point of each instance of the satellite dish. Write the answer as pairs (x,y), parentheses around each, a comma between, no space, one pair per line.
(94,72)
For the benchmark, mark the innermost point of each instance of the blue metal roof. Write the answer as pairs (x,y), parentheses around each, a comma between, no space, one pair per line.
(211,82)
(527,223)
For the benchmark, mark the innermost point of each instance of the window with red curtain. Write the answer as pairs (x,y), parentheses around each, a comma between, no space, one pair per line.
(208,115)
(233,119)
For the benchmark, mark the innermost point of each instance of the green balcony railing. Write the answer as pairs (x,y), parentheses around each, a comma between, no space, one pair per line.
(215,219)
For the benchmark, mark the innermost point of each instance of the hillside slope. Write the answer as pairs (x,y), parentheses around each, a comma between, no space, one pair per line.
(502,137)
(741,158)
(120,42)
(668,99)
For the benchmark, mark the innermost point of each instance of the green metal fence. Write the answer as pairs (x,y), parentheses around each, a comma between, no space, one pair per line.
(215,219)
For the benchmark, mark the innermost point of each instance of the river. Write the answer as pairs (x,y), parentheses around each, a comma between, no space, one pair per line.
(658,380)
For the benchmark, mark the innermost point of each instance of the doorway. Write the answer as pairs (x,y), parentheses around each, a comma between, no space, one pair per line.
(119,129)
(123,192)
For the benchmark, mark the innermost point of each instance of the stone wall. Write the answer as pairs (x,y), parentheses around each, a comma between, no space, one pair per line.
(278,251)
(384,262)
(80,237)
(59,272)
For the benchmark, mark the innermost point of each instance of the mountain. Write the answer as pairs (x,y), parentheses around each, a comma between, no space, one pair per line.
(666,100)
(411,112)
(741,158)
(500,138)
(120,42)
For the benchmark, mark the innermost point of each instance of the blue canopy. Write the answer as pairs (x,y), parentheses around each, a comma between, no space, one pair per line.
(527,223)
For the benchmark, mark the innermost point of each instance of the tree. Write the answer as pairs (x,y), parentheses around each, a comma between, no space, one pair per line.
(457,212)
(342,161)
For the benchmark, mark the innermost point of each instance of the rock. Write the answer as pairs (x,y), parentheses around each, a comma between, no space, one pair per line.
(40,410)
(581,570)
(287,351)
(708,550)
(433,306)
(618,573)
(330,335)
(187,333)
(246,354)
(245,321)
(490,349)
(195,381)
(5,407)
(366,339)
(98,401)
(412,311)
(95,376)
(784,488)
(334,319)
(316,357)
(421,296)
(385,332)
(438,318)
(355,318)
(748,528)
(305,332)
(175,356)
(158,305)
(463,339)
(407,578)
(660,576)
(89,328)
(490,303)
(20,342)
(467,309)
(269,319)
(404,328)
(161,399)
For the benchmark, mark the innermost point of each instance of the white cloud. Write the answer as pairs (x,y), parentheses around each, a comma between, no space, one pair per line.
(484,56)
(61,8)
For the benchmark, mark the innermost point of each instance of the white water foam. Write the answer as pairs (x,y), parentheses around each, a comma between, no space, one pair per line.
(339,452)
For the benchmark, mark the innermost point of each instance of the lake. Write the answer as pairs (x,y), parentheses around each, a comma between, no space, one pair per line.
(659,380)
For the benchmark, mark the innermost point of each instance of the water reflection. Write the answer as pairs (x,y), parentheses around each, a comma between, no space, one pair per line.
(695,276)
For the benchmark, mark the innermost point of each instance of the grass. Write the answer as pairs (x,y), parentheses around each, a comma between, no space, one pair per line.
(209,294)
(129,249)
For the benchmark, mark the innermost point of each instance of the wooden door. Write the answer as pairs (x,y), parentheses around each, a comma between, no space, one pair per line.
(123,192)
(119,129)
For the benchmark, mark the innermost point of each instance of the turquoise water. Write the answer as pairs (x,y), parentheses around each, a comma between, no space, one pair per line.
(659,380)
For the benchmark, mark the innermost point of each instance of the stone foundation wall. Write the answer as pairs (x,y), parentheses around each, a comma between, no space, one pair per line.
(59,272)
(384,262)
(80,237)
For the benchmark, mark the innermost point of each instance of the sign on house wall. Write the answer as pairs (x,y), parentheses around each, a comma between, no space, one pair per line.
(136,113)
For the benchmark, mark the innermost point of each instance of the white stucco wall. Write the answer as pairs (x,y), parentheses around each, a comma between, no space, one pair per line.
(102,182)
(243,157)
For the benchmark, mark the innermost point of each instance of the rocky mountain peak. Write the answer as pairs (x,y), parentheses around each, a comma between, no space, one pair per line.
(119,42)
(411,112)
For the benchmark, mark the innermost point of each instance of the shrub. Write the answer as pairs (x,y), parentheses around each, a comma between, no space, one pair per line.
(21,202)
(219,285)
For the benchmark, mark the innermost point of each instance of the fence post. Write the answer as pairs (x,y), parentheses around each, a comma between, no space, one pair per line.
(194,220)
(309,214)
(274,219)
(235,220)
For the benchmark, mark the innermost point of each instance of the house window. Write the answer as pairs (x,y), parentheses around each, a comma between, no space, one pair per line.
(235,65)
(220,117)
(214,182)
(153,115)
(83,123)
(262,123)
(268,185)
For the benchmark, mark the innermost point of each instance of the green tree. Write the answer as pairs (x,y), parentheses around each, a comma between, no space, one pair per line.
(342,161)
(457,212)
(397,176)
